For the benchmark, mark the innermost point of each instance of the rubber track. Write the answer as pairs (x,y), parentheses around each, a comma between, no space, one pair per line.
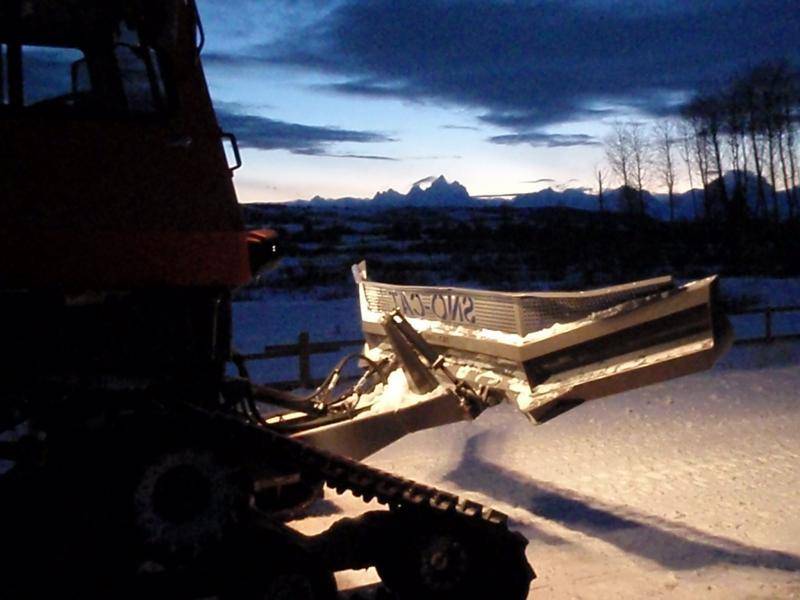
(368,483)
(344,474)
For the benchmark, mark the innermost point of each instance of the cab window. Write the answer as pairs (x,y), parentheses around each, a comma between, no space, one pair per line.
(3,99)
(47,75)
(120,79)
(142,84)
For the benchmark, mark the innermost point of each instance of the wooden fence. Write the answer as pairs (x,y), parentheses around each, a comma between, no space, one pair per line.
(305,348)
(769,313)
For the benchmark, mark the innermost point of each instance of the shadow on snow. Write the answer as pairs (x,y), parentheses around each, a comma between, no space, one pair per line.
(673,545)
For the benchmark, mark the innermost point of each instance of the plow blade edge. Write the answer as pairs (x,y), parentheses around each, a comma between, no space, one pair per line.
(550,351)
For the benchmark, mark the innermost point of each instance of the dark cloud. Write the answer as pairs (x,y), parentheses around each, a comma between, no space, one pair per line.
(428,179)
(529,64)
(318,152)
(548,140)
(269,134)
(542,180)
(372,88)
(460,127)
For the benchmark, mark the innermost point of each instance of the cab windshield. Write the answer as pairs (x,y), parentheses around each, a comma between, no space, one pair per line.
(68,58)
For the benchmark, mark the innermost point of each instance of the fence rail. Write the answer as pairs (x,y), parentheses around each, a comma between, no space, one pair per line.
(304,349)
(769,333)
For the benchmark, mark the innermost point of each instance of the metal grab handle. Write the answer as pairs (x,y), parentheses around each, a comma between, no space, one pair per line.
(235,146)
(200,40)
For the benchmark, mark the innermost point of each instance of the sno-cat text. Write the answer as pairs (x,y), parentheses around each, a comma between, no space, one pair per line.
(456,308)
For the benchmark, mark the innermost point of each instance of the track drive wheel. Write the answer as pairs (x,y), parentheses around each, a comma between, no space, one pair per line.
(185,501)
(451,557)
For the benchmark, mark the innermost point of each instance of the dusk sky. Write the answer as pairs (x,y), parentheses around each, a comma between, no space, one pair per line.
(349,97)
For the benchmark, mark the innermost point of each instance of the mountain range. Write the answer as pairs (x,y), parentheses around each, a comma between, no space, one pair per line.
(443,194)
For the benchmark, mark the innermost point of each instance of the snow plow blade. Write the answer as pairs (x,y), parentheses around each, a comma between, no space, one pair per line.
(550,351)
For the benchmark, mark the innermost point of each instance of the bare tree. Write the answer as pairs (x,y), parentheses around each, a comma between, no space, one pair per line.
(791,142)
(664,142)
(641,154)
(734,123)
(765,80)
(707,114)
(702,157)
(685,149)
(786,91)
(752,121)
(791,118)
(746,90)
(601,176)
(734,107)
(619,155)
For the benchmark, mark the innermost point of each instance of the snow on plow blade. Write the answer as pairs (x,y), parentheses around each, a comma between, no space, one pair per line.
(550,351)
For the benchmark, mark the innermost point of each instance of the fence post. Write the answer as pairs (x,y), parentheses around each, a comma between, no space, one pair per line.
(768,324)
(304,359)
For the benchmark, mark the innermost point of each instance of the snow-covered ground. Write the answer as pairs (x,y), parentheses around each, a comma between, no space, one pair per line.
(681,490)
(685,489)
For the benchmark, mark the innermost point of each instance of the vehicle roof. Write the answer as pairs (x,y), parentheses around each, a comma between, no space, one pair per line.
(77,23)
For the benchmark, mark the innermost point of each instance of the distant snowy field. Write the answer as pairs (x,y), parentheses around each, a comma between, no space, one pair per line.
(685,489)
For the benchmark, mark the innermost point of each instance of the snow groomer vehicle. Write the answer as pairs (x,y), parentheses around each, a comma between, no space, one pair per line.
(142,460)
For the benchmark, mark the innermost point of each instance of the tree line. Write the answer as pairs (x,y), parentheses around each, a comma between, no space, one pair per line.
(745,135)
